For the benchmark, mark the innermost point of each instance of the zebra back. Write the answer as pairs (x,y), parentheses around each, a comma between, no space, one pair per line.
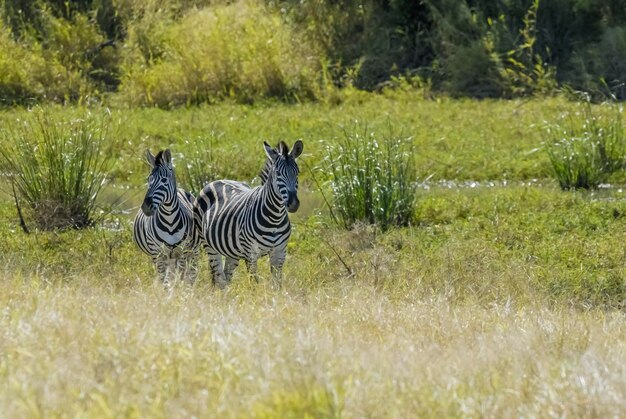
(237,221)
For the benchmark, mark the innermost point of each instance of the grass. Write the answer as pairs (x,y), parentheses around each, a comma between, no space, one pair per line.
(372,177)
(586,147)
(57,167)
(504,298)
(322,353)
(453,140)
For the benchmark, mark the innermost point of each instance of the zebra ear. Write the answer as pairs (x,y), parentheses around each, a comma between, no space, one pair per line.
(167,157)
(297,149)
(271,153)
(150,158)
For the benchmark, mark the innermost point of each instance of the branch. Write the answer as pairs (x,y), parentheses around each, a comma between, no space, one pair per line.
(19,210)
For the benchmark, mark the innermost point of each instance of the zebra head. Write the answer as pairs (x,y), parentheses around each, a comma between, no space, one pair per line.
(283,163)
(161,182)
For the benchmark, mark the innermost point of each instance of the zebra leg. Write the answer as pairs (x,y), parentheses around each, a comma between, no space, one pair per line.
(251,264)
(230,265)
(192,267)
(277,259)
(173,272)
(162,266)
(217,271)
(187,268)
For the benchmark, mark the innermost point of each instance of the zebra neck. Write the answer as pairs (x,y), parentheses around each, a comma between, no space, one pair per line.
(170,207)
(272,199)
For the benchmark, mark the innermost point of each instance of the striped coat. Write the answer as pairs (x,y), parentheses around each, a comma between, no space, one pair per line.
(164,227)
(239,222)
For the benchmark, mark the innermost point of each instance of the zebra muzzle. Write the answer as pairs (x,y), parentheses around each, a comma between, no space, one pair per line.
(147,207)
(293,204)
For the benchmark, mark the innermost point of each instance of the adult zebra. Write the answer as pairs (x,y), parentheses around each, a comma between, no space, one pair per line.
(239,222)
(164,226)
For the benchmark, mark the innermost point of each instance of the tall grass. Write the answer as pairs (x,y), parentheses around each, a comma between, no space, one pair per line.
(586,147)
(191,61)
(373,177)
(200,164)
(57,168)
(84,350)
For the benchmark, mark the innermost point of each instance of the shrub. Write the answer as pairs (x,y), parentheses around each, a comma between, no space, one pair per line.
(26,75)
(601,67)
(612,50)
(586,147)
(57,168)
(372,177)
(191,60)
(76,44)
(471,71)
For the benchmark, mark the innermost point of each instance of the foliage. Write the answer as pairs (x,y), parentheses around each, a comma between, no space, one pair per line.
(66,38)
(586,147)
(58,168)
(168,53)
(366,42)
(26,76)
(523,68)
(190,61)
(372,177)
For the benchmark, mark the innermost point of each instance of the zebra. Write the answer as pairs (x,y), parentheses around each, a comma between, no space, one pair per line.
(239,222)
(164,227)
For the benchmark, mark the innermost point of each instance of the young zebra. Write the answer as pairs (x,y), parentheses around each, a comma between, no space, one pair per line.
(164,226)
(239,222)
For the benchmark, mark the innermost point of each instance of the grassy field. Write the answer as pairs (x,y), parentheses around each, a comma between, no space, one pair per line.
(504,298)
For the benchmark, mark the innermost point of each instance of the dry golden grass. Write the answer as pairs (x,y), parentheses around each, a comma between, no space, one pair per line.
(346,349)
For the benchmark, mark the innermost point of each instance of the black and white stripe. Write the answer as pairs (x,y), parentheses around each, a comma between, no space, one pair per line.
(239,222)
(164,227)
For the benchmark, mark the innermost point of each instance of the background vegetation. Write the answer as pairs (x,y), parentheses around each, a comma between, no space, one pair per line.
(167,53)
(57,168)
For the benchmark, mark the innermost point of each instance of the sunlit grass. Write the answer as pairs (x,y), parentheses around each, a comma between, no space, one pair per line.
(586,146)
(372,177)
(346,350)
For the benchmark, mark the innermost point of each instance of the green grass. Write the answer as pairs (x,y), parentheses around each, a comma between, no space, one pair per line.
(586,146)
(502,300)
(372,177)
(58,168)
(453,140)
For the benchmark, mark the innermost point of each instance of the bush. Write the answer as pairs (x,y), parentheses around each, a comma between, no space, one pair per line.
(191,60)
(606,59)
(583,154)
(372,178)
(58,168)
(471,71)
(26,76)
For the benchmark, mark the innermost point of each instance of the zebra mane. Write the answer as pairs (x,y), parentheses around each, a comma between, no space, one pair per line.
(264,174)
